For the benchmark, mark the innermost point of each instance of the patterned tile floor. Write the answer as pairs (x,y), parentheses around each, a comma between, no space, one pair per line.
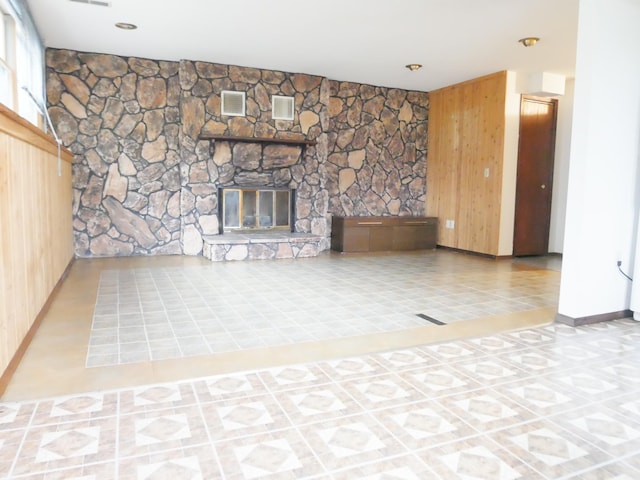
(163,313)
(547,403)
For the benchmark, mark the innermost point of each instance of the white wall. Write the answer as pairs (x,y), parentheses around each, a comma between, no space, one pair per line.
(509,165)
(602,200)
(561,169)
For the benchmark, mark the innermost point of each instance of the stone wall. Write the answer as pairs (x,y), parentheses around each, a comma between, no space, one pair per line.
(145,183)
(378,150)
(121,119)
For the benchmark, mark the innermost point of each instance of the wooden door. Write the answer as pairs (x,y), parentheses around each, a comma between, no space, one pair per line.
(535,175)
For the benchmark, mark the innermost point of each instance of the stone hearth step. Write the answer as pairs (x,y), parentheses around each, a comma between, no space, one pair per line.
(262,245)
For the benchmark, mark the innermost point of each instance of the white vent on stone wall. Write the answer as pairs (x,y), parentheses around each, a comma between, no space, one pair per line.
(98,3)
(233,103)
(282,108)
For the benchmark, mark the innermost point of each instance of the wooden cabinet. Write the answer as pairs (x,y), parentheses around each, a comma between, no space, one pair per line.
(381,234)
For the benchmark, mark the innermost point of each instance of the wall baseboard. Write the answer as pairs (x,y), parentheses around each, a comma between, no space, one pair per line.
(5,378)
(603,317)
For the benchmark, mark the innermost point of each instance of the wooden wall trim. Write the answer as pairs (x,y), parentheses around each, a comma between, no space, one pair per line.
(36,231)
(13,124)
(6,376)
(603,317)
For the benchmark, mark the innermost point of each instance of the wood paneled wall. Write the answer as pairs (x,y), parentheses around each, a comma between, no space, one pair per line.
(35,227)
(465,138)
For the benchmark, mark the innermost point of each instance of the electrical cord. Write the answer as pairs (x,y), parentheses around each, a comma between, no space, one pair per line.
(620,268)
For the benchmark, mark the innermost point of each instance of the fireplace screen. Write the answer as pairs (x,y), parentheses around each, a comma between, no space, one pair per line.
(245,208)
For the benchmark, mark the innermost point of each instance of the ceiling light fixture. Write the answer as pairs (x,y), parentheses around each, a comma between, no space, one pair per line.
(529,41)
(413,66)
(126,26)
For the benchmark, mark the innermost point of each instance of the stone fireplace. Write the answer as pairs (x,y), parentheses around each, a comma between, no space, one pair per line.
(153,149)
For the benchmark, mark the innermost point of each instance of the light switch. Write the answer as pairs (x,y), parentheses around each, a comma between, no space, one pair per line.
(486,172)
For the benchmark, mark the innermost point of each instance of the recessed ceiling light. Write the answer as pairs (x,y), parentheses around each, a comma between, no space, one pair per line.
(529,41)
(126,26)
(413,66)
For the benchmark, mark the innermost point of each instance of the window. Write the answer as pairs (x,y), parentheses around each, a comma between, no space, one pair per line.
(233,103)
(282,108)
(21,62)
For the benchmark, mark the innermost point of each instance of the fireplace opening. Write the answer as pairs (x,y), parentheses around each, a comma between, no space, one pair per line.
(256,209)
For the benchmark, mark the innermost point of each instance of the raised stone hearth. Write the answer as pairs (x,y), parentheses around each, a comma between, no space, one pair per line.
(267,245)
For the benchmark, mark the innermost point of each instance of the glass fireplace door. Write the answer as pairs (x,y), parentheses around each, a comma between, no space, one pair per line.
(247,209)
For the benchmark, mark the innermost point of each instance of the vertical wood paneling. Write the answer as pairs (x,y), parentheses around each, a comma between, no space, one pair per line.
(35,228)
(466,136)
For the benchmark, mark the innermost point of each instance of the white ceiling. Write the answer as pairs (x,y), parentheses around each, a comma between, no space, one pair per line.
(364,41)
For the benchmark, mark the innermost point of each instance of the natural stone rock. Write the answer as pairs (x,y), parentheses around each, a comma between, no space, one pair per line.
(54,88)
(241,127)
(237,252)
(129,223)
(244,74)
(209,224)
(113,109)
(222,153)
(126,166)
(226,173)
(151,92)
(80,177)
(356,159)
(277,156)
(104,65)
(207,204)
(108,147)
(173,205)
(95,162)
(374,106)
(96,222)
(96,104)
(158,203)
(191,240)
(202,88)
(76,87)
(105,246)
(154,121)
(406,112)
(155,151)
(104,88)
(92,195)
(247,155)
(127,91)
(198,173)
(254,179)
(211,70)
(65,125)
(307,120)
(305,83)
(64,61)
(346,178)
(127,124)
(151,173)
(135,202)
(146,68)
(115,185)
(262,97)
(90,126)
(171,179)
(192,112)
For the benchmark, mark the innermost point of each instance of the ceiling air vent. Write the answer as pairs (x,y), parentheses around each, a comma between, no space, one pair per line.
(233,103)
(282,108)
(97,3)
